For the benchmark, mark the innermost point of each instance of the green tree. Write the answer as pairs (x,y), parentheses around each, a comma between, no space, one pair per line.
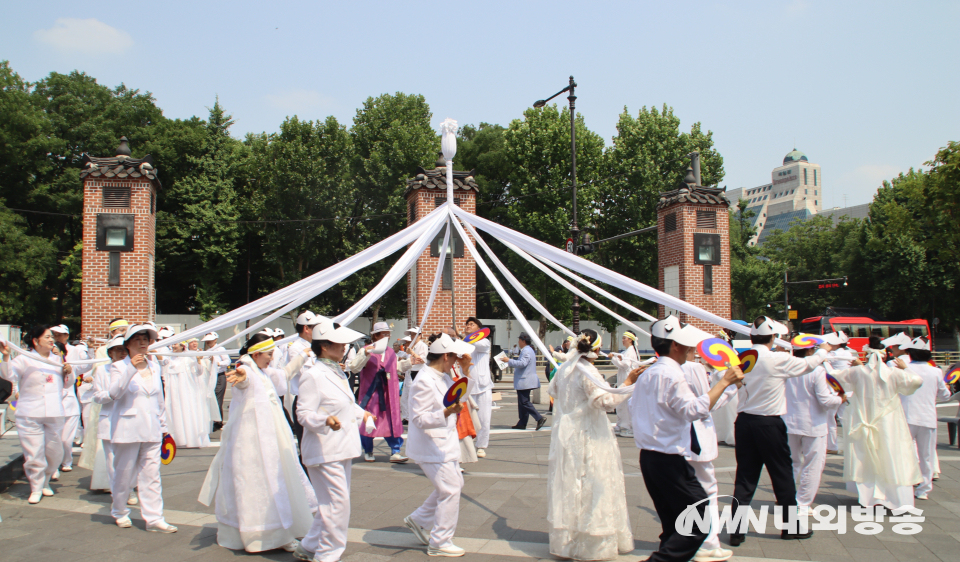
(25,265)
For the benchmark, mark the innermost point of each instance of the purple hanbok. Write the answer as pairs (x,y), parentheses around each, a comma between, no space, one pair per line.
(384,400)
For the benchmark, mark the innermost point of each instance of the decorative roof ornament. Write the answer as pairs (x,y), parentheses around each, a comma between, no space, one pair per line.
(124,149)
(448,144)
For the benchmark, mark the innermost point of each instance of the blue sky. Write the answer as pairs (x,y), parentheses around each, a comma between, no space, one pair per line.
(865,89)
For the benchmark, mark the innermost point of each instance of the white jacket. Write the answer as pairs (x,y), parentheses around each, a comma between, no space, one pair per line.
(763,392)
(138,414)
(699,382)
(810,400)
(324,392)
(480,379)
(921,406)
(40,385)
(431,436)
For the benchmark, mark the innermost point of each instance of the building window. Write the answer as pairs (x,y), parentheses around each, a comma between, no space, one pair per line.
(706,249)
(153,203)
(814,202)
(804,176)
(670,222)
(413,212)
(814,178)
(806,191)
(115,232)
(116,238)
(706,219)
(116,197)
(814,191)
(441,200)
(708,279)
(113,270)
(454,246)
(446,283)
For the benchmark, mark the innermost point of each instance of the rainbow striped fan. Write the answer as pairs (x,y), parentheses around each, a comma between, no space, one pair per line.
(718,353)
(12,406)
(455,392)
(834,384)
(932,363)
(952,376)
(748,360)
(803,341)
(477,336)
(168,449)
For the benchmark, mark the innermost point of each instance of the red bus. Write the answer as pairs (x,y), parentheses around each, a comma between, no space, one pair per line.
(861,328)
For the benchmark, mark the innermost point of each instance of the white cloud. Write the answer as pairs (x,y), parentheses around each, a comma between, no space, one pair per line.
(85,36)
(300,101)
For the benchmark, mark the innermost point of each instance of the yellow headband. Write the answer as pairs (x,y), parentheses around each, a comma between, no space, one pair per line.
(265,345)
(631,335)
(596,344)
(118,324)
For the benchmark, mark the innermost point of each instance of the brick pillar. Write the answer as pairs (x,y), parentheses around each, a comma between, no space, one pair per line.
(424,194)
(119,232)
(693,245)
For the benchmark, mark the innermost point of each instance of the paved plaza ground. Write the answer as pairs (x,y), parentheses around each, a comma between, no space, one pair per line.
(502,512)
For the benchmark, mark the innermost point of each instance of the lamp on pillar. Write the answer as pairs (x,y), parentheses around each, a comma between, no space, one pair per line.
(448,145)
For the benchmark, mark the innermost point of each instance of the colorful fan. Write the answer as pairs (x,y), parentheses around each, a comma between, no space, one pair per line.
(933,363)
(12,406)
(718,353)
(477,336)
(168,449)
(455,392)
(748,360)
(803,341)
(953,375)
(834,384)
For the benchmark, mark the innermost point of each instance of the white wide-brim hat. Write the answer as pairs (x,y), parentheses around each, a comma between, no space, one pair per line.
(897,339)
(212,336)
(117,341)
(60,329)
(307,318)
(446,344)
(670,328)
(140,329)
(380,327)
(766,328)
(413,330)
(916,343)
(328,330)
(406,339)
(836,338)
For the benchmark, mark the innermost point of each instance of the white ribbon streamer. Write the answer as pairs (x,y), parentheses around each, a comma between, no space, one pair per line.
(436,277)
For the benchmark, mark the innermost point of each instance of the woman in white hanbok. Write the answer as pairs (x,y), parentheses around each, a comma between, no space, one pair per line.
(263,498)
(879,460)
(207,382)
(188,416)
(95,455)
(586,499)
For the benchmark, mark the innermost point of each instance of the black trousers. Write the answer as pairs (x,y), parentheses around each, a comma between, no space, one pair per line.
(526,407)
(762,441)
(673,486)
(297,430)
(220,390)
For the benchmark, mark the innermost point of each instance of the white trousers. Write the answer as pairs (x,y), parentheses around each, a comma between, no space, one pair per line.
(926,440)
(442,508)
(67,435)
(108,455)
(85,416)
(708,479)
(137,464)
(832,428)
(484,402)
(327,537)
(809,455)
(42,448)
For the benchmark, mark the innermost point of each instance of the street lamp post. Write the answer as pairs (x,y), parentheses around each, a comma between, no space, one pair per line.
(574,229)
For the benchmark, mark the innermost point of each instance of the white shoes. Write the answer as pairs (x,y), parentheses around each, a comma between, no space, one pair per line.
(418,531)
(292,546)
(715,555)
(124,522)
(34,497)
(369,457)
(451,551)
(616,431)
(66,469)
(626,433)
(397,457)
(162,527)
(481,453)
(133,499)
(923,497)
(47,491)
(55,477)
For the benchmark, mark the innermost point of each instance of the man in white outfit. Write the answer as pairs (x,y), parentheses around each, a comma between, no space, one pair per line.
(481,385)
(702,462)
(920,409)
(809,401)
(71,403)
(434,445)
(839,357)
(625,362)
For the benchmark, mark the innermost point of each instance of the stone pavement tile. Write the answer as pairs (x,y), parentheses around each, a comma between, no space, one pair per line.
(911,553)
(852,539)
(871,555)
(791,550)
(890,536)
(941,545)
(823,542)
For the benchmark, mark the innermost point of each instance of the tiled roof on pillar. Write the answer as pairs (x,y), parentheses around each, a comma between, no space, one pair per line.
(437,179)
(120,166)
(693,194)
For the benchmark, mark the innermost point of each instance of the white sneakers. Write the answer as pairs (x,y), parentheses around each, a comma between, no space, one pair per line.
(715,555)
(451,551)
(34,497)
(369,457)
(124,522)
(47,491)
(481,453)
(291,546)
(418,531)
(66,469)
(133,500)
(626,433)
(397,457)
(162,527)
(55,477)
(923,497)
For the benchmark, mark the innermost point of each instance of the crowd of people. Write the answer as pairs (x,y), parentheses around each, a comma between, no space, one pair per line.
(281,477)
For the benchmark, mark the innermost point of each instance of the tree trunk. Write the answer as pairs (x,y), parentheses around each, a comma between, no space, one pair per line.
(375,316)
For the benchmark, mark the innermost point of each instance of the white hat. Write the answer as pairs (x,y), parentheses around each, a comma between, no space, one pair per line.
(212,336)
(766,328)
(267,332)
(897,339)
(61,329)
(406,338)
(670,328)
(114,342)
(328,330)
(380,327)
(916,343)
(836,338)
(307,318)
(165,332)
(780,328)
(414,330)
(446,344)
(134,329)
(278,332)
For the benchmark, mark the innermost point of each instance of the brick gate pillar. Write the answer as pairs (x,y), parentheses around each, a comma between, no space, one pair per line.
(693,246)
